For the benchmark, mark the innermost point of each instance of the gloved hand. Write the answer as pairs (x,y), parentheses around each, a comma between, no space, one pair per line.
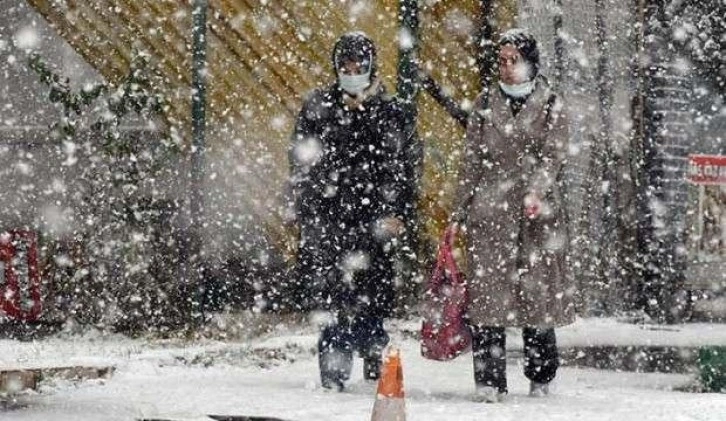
(390,226)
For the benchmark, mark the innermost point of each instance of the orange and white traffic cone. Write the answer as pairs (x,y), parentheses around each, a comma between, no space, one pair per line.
(390,405)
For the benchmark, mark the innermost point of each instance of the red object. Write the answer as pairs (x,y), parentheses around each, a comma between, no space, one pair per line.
(532,211)
(20,289)
(707,169)
(532,206)
(444,333)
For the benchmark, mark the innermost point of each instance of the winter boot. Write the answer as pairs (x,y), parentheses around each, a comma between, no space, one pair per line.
(372,367)
(539,390)
(488,394)
(335,367)
(490,362)
(490,373)
(335,356)
(370,339)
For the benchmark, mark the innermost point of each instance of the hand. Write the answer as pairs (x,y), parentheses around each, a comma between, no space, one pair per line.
(391,226)
(532,205)
(454,229)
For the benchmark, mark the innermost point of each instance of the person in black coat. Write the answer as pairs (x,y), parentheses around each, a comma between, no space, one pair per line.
(353,158)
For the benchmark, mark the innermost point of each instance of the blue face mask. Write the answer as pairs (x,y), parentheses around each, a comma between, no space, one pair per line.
(354,84)
(520,90)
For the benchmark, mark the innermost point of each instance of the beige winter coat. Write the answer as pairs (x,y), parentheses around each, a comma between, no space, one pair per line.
(516,266)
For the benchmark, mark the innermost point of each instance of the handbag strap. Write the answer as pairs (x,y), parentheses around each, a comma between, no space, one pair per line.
(448,247)
(445,260)
(441,259)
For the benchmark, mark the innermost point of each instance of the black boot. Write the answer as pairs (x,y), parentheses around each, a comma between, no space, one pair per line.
(490,360)
(370,340)
(335,357)
(541,358)
(372,365)
(335,367)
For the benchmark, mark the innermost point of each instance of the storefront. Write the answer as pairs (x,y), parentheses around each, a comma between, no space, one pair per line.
(707,242)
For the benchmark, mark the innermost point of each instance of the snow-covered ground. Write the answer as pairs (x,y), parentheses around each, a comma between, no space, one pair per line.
(276,375)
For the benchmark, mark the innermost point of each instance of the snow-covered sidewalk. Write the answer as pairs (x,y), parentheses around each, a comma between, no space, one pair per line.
(276,375)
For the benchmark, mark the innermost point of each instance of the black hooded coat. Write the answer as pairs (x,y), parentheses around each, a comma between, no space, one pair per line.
(352,164)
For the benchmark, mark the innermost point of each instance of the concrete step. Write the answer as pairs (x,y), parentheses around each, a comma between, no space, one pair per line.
(17,379)
(642,359)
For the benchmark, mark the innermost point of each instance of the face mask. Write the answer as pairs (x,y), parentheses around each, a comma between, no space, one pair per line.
(518,91)
(354,84)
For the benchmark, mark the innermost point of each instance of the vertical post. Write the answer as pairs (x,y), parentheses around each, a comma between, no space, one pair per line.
(407,80)
(407,86)
(559,65)
(638,66)
(655,270)
(640,151)
(196,199)
(668,134)
(603,74)
(699,221)
(608,262)
(485,57)
(642,157)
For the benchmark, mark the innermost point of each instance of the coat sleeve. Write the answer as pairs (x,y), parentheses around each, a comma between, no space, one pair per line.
(553,152)
(473,162)
(401,164)
(410,158)
(304,131)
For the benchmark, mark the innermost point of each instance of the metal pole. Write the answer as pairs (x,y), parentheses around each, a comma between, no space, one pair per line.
(669,131)
(485,45)
(196,200)
(559,45)
(603,74)
(407,87)
(407,80)
(608,261)
(442,98)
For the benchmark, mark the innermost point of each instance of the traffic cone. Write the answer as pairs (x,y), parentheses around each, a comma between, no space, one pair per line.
(390,405)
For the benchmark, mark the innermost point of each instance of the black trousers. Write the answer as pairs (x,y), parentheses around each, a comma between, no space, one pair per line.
(321,280)
(490,358)
(363,333)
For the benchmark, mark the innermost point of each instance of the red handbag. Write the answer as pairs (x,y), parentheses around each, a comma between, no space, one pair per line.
(444,333)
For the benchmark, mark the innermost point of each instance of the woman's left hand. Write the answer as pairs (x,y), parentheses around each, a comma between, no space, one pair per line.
(391,226)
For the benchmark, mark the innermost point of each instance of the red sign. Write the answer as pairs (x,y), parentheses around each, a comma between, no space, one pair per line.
(20,290)
(707,169)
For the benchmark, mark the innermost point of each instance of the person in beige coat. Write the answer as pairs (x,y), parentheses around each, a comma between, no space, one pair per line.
(512,214)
